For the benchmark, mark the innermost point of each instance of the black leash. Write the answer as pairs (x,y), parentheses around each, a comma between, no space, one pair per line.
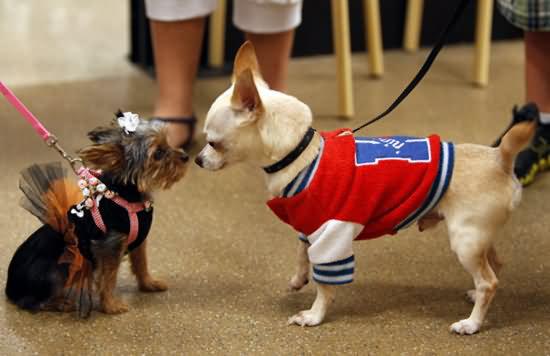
(425,67)
(288,159)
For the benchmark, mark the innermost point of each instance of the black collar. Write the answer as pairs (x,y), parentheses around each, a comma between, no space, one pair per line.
(291,157)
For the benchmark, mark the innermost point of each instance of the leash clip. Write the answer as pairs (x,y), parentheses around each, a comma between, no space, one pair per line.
(75,163)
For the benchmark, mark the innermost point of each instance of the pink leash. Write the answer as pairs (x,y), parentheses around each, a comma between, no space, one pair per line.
(51,140)
(26,113)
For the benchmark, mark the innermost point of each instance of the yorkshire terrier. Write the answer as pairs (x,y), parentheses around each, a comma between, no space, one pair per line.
(90,225)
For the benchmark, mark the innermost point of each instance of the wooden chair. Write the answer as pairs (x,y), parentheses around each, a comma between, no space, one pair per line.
(341,40)
(216,37)
(484,20)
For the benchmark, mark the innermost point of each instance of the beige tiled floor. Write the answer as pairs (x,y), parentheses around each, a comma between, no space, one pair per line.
(225,256)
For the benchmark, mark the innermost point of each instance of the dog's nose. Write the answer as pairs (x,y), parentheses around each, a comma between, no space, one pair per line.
(198,161)
(184,157)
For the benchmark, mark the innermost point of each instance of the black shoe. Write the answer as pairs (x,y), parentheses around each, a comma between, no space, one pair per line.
(535,158)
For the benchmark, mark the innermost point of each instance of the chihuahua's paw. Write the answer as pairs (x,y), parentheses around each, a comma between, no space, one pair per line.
(306,318)
(465,327)
(153,285)
(471,295)
(114,307)
(297,282)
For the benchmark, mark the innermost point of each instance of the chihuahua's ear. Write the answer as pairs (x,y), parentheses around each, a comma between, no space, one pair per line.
(246,59)
(108,157)
(245,94)
(103,135)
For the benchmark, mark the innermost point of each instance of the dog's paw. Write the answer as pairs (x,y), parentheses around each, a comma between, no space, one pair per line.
(471,295)
(153,285)
(114,307)
(465,327)
(297,282)
(306,318)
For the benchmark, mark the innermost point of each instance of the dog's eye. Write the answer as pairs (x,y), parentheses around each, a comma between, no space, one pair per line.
(213,144)
(159,154)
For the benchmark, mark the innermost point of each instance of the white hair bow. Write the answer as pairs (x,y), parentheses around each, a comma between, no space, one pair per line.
(129,122)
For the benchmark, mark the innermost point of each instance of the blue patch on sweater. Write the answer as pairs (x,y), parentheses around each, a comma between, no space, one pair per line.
(372,150)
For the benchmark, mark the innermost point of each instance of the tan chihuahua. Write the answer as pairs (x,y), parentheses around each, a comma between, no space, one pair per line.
(471,187)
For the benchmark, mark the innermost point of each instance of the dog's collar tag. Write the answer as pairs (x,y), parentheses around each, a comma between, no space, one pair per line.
(295,153)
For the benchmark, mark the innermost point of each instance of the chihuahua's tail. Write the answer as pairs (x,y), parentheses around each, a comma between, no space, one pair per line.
(514,141)
(49,194)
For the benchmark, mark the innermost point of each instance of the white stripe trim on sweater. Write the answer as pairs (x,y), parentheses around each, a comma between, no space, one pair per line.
(333,279)
(335,267)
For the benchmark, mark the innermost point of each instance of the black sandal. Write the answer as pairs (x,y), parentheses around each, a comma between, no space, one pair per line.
(189,121)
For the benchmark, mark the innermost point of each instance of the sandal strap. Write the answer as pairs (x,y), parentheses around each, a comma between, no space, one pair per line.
(177,120)
(190,121)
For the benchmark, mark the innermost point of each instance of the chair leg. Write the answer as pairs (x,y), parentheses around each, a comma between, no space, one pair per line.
(484,23)
(216,36)
(374,37)
(342,48)
(413,24)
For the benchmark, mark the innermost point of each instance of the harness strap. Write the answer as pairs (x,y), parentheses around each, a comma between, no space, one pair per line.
(131,208)
(98,220)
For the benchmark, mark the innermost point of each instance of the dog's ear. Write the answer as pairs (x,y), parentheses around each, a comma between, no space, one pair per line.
(246,59)
(108,157)
(101,135)
(245,94)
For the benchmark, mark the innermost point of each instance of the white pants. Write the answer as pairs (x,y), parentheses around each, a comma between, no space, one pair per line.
(248,15)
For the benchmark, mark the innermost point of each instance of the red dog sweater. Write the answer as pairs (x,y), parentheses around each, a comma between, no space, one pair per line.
(362,188)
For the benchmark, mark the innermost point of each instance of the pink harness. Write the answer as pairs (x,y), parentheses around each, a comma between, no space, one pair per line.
(92,204)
